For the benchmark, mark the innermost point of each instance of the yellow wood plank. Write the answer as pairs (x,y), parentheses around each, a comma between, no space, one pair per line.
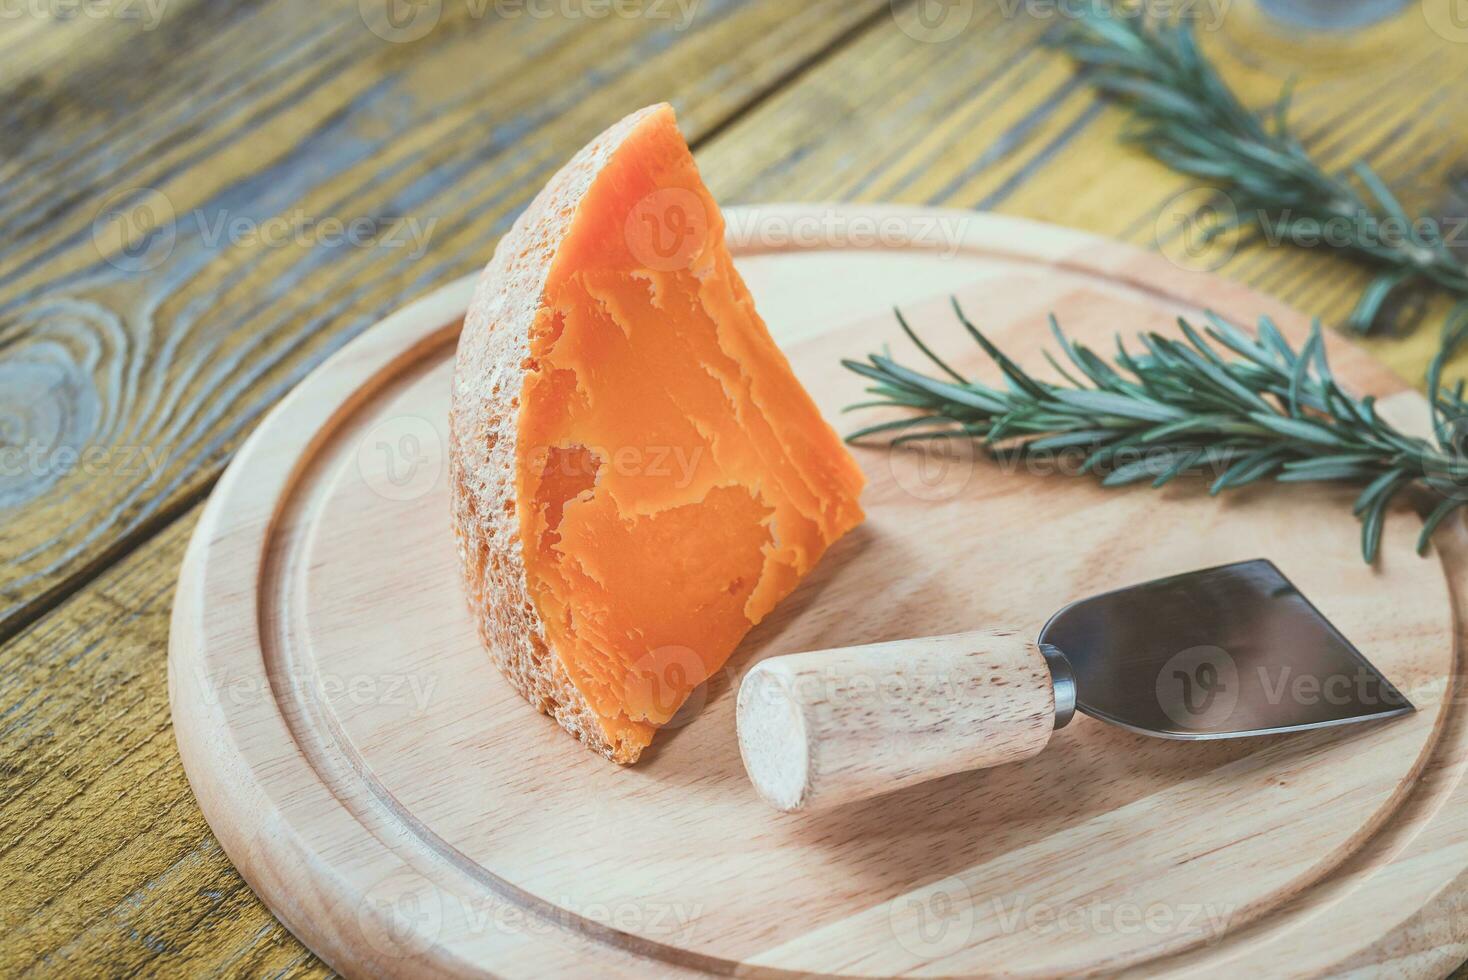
(284,176)
(987,119)
(104,854)
(244,112)
(105,861)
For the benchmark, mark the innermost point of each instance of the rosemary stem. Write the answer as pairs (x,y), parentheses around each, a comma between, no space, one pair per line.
(1248,407)
(1186,117)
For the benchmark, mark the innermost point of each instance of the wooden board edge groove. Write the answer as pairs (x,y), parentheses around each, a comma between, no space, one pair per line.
(440,309)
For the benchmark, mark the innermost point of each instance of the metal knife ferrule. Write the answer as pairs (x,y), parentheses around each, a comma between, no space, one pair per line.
(1063,679)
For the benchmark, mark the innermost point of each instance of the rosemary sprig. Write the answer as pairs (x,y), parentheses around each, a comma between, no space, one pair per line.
(1246,408)
(1185,116)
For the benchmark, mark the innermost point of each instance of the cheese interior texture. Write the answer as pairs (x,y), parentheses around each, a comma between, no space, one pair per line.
(674,479)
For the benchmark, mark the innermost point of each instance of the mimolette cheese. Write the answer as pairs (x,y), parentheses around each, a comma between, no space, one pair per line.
(637,476)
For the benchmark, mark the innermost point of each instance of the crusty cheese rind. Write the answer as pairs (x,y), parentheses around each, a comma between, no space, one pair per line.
(488,378)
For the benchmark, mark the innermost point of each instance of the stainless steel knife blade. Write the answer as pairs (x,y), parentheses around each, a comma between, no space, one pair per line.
(1224,652)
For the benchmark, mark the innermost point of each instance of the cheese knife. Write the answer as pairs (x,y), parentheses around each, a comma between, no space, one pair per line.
(1225,652)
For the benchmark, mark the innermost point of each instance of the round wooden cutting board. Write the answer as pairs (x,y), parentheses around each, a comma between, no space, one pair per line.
(405,813)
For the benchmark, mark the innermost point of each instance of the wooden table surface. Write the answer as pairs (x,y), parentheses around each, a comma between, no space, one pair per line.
(201,199)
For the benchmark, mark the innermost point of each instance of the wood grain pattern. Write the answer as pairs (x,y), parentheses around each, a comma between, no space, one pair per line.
(827,727)
(348,810)
(242,225)
(106,862)
(994,121)
(983,119)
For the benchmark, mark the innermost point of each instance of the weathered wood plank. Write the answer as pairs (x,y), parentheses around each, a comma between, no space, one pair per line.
(106,863)
(105,857)
(985,119)
(199,213)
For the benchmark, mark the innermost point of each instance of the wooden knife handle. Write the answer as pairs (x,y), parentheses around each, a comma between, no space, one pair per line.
(819,729)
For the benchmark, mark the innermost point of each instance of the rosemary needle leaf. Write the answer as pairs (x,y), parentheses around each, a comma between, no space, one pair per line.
(872,430)
(1387,484)
(1331,462)
(1302,366)
(906,438)
(1371,528)
(1301,429)
(1429,526)
(1021,381)
(1060,369)
(1271,336)
(1181,461)
(1186,117)
(957,394)
(1067,440)
(1381,192)
(1136,471)
(1242,408)
(1235,340)
(1333,474)
(1374,298)
(902,321)
(1252,467)
(1110,403)
(1195,423)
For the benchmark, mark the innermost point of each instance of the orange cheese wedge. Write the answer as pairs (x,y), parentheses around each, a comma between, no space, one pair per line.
(637,476)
